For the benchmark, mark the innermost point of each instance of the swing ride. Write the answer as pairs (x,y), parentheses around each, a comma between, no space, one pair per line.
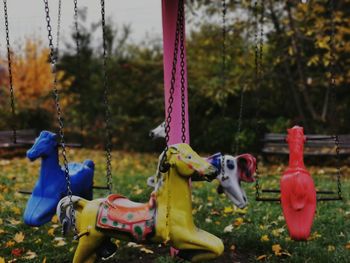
(297,190)
(167,216)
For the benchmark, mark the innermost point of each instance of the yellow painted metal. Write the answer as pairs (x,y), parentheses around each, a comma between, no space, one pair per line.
(174,221)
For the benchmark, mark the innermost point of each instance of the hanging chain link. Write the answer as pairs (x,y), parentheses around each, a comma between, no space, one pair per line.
(12,96)
(332,86)
(182,73)
(258,68)
(223,47)
(76,26)
(108,139)
(53,62)
(58,28)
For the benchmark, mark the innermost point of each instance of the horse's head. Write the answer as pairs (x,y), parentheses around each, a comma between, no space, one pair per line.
(187,162)
(233,170)
(43,146)
(158,132)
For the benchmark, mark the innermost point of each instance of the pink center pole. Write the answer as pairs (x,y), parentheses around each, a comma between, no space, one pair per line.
(169,17)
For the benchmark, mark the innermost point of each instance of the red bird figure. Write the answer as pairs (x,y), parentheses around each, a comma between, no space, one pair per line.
(298,194)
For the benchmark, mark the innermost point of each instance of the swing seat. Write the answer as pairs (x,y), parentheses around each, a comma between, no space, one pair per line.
(121,214)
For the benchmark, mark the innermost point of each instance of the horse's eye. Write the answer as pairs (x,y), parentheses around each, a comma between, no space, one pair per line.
(189,157)
(230,164)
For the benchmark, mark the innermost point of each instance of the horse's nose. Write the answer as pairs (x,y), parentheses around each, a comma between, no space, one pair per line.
(151,134)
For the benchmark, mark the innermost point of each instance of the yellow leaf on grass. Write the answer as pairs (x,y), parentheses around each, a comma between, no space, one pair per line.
(331,248)
(264,238)
(2,260)
(146,250)
(261,257)
(238,221)
(19,237)
(347,246)
(54,219)
(228,210)
(2,231)
(1,221)
(13,221)
(51,232)
(10,243)
(44,260)
(233,248)
(16,210)
(59,241)
(314,236)
(277,249)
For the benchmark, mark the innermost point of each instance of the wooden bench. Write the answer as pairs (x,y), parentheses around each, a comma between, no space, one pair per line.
(24,138)
(315,145)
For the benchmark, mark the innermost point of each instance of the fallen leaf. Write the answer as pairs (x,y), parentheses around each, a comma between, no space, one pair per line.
(10,243)
(330,248)
(54,219)
(1,221)
(13,221)
(2,231)
(241,211)
(44,260)
(277,249)
(117,243)
(208,220)
(228,210)
(132,244)
(264,238)
(16,210)
(17,252)
(51,232)
(19,237)
(314,236)
(146,250)
(233,248)
(228,229)
(2,260)
(238,221)
(261,257)
(30,255)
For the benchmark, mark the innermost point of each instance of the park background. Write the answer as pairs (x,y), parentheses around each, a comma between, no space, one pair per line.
(294,89)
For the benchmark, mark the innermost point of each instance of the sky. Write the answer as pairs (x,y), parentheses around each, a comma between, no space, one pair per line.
(27,18)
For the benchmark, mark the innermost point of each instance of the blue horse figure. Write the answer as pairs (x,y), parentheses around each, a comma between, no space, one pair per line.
(52,186)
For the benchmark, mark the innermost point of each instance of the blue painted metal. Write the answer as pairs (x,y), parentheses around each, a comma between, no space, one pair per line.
(215,160)
(51,185)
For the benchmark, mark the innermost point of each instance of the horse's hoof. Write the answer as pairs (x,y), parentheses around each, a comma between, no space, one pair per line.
(106,250)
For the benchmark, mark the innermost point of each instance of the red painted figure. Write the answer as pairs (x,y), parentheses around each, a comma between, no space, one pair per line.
(298,194)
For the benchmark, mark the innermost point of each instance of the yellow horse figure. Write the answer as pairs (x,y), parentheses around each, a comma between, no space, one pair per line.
(167,217)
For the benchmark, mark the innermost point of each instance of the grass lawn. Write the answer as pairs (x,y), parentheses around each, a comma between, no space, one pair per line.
(258,233)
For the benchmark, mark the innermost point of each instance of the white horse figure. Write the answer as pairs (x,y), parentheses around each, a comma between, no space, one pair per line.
(158,132)
(232,171)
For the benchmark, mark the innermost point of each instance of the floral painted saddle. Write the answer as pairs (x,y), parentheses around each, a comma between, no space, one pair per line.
(123,215)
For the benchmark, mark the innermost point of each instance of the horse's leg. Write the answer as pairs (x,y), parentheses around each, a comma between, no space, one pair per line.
(86,249)
(199,245)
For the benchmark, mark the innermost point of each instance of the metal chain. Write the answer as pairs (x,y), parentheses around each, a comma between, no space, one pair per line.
(108,139)
(223,54)
(58,29)
(12,96)
(53,62)
(76,26)
(182,72)
(332,86)
(258,68)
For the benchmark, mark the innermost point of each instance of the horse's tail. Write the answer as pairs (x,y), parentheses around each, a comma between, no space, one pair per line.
(90,164)
(63,210)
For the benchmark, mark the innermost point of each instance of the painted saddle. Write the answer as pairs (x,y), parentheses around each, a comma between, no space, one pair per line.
(136,220)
